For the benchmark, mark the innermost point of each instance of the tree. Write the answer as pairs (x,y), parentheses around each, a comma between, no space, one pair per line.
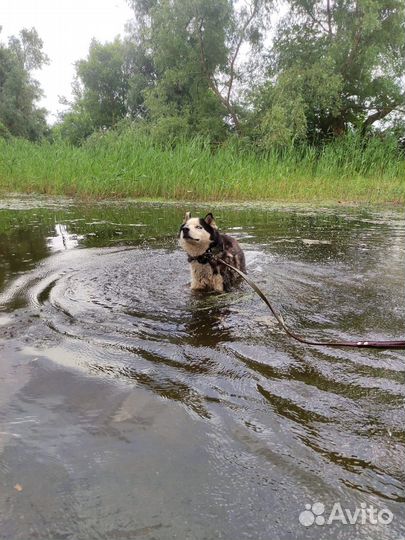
(109,87)
(19,91)
(74,126)
(180,101)
(200,67)
(335,64)
(196,47)
(244,30)
(103,83)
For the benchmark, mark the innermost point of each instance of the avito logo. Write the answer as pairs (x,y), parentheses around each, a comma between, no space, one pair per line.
(316,514)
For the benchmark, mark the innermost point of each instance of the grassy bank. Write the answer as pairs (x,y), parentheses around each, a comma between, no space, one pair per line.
(128,165)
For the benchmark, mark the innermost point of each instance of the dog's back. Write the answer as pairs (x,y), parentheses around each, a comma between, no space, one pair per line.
(232,254)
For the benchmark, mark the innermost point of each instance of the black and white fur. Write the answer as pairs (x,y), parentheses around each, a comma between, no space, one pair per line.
(204,245)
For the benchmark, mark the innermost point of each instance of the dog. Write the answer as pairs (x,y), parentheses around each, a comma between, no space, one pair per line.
(205,245)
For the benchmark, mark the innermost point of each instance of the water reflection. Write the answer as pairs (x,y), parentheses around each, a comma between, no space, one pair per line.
(62,239)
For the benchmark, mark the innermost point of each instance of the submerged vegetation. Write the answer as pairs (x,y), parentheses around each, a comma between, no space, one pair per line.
(128,164)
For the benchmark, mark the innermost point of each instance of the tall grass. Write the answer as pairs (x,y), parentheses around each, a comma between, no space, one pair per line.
(126,164)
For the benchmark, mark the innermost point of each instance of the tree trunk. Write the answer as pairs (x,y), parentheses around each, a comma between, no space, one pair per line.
(378,115)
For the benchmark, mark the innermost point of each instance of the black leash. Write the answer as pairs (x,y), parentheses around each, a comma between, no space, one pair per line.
(359,344)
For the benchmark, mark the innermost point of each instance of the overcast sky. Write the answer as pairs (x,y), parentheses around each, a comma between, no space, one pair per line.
(66,28)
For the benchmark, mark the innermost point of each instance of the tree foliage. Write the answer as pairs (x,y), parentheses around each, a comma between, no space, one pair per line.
(181,99)
(218,68)
(109,86)
(19,91)
(335,65)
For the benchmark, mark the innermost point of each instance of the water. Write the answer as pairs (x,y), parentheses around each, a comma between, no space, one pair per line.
(133,408)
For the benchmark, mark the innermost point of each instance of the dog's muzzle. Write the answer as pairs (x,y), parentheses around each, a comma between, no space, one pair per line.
(186,234)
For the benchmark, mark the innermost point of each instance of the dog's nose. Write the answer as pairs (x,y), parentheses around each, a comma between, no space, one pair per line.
(186,230)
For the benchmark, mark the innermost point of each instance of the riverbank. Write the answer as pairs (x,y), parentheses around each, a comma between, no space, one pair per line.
(123,165)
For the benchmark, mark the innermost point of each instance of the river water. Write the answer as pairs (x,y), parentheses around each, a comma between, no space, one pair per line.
(131,407)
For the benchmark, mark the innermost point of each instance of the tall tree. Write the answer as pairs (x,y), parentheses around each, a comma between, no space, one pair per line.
(196,46)
(243,33)
(108,87)
(102,83)
(180,102)
(334,64)
(19,91)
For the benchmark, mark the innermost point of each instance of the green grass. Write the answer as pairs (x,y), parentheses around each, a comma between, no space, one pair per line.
(118,165)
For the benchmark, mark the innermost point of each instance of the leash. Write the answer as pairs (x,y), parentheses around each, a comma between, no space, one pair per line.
(359,344)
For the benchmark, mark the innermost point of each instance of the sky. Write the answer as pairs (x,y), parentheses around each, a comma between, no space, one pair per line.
(66,28)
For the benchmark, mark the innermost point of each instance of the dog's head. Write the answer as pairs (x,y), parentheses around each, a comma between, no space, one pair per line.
(197,234)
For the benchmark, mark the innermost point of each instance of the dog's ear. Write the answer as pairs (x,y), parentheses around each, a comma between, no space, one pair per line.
(187,216)
(210,220)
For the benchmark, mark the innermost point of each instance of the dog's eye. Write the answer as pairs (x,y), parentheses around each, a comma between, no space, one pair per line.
(198,227)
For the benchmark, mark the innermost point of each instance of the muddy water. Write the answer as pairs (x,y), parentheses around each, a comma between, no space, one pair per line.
(132,408)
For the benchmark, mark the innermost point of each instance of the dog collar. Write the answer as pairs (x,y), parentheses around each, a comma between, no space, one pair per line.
(206,257)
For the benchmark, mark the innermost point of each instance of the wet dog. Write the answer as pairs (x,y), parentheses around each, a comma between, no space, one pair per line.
(205,245)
